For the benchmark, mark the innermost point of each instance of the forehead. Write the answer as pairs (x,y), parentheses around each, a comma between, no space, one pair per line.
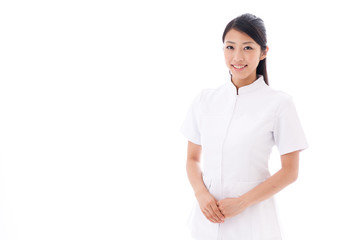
(237,37)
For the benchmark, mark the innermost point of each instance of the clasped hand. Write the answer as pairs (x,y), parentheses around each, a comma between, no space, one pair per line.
(217,211)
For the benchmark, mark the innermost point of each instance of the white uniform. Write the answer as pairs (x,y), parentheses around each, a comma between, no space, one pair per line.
(237,133)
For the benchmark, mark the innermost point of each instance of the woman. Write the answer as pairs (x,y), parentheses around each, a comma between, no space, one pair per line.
(234,128)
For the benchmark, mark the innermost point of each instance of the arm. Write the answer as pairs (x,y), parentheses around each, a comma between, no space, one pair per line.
(285,176)
(193,168)
(206,201)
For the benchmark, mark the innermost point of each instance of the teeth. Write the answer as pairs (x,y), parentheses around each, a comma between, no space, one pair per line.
(239,67)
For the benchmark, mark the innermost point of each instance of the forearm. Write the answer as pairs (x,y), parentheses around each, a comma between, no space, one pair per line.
(268,188)
(194,174)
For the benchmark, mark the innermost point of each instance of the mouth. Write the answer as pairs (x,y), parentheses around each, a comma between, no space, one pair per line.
(239,67)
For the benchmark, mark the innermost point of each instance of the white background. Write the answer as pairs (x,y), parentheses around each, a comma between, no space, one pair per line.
(93,93)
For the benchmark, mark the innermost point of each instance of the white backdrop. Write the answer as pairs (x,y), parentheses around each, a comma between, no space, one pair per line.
(93,93)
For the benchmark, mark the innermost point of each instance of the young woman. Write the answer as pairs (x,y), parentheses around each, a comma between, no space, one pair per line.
(232,129)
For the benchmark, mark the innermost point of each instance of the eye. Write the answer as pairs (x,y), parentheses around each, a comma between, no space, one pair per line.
(248,48)
(230,47)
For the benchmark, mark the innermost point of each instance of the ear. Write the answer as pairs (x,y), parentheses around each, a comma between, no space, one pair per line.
(264,53)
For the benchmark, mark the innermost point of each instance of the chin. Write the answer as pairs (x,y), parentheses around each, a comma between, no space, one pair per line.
(240,76)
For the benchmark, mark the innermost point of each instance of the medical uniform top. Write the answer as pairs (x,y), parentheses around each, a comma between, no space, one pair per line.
(237,130)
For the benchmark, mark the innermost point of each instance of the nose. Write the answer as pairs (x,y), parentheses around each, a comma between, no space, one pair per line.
(238,55)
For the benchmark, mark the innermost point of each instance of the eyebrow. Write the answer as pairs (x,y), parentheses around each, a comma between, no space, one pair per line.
(242,43)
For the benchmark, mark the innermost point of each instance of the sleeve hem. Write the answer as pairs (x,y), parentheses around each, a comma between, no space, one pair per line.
(293,150)
(191,137)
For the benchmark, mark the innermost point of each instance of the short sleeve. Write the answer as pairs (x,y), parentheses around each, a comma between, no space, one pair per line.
(288,132)
(190,125)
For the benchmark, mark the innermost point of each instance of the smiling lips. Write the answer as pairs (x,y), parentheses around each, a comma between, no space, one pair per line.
(239,67)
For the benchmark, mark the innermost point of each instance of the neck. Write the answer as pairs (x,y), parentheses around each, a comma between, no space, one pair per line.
(243,82)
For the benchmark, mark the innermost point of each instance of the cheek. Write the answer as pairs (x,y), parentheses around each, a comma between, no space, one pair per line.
(228,58)
(255,57)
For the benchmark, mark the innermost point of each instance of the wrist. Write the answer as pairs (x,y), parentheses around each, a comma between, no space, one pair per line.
(245,201)
(200,191)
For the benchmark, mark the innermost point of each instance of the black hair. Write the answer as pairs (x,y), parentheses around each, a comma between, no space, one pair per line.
(255,28)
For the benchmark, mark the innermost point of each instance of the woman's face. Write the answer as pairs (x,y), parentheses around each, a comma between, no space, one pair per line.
(242,55)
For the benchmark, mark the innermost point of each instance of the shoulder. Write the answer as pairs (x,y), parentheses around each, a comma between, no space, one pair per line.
(283,102)
(201,96)
(206,94)
(278,97)
(216,92)
(275,100)
(277,94)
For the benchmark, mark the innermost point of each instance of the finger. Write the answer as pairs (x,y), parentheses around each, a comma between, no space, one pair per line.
(218,213)
(208,216)
(213,214)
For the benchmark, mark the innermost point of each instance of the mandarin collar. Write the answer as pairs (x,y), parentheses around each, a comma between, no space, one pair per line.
(258,83)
